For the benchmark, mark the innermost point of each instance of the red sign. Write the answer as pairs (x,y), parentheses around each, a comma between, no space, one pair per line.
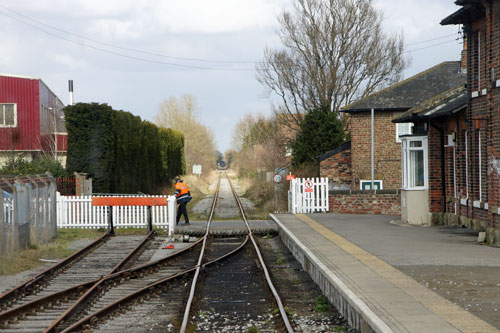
(308,186)
(290,177)
(129,201)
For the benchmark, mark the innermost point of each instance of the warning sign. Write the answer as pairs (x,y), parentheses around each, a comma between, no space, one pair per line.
(277,178)
(290,177)
(308,186)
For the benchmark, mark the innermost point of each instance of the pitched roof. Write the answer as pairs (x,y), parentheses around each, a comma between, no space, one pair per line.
(414,90)
(471,11)
(337,150)
(444,104)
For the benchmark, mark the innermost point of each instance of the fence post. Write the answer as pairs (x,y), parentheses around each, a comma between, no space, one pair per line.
(171,214)
(111,229)
(150,219)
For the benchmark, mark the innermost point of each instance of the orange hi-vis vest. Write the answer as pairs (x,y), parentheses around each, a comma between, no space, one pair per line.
(180,189)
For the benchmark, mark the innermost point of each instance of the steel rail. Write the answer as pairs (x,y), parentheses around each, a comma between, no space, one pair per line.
(284,316)
(78,288)
(80,325)
(73,308)
(22,288)
(185,319)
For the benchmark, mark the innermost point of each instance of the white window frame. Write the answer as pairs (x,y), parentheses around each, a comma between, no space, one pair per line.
(398,131)
(405,149)
(2,109)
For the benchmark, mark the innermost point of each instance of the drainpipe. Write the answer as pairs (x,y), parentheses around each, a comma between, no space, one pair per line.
(443,181)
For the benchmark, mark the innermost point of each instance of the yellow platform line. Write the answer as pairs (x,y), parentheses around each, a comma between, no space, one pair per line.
(453,314)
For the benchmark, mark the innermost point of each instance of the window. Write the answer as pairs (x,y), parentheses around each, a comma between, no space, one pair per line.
(414,155)
(367,184)
(403,129)
(8,115)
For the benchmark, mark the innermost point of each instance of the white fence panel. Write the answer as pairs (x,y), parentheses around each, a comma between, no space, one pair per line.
(78,212)
(308,195)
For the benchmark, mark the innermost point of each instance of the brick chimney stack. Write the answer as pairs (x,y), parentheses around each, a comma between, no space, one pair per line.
(463,62)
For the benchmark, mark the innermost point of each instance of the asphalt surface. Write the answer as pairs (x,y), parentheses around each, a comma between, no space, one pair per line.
(401,245)
(447,260)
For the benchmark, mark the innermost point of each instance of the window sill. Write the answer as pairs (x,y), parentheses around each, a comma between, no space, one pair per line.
(480,204)
(475,94)
(414,189)
(463,202)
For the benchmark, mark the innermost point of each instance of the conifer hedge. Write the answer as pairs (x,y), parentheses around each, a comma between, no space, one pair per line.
(121,152)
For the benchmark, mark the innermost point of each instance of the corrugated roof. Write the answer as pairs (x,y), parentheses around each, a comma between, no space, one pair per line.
(20,76)
(444,104)
(414,90)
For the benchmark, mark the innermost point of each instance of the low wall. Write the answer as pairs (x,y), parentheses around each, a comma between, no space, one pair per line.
(378,202)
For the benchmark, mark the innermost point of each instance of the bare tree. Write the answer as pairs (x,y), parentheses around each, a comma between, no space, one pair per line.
(199,142)
(334,52)
(255,144)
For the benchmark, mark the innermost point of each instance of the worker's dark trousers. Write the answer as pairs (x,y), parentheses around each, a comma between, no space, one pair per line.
(182,210)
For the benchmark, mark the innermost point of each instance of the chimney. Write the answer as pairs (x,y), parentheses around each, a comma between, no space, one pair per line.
(463,62)
(70,82)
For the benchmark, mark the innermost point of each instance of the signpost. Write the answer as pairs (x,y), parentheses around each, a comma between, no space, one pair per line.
(197,169)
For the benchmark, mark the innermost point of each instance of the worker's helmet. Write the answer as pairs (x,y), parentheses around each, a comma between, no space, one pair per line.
(177,179)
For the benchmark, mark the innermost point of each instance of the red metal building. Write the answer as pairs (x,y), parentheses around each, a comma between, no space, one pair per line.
(31,120)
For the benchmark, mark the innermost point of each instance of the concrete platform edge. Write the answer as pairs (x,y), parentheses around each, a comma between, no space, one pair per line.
(356,312)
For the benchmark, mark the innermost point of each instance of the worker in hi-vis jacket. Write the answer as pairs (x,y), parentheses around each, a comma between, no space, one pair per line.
(183,196)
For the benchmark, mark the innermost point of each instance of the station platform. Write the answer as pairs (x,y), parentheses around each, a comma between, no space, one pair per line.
(353,257)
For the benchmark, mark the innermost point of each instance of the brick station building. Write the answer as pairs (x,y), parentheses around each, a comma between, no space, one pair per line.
(463,135)
(387,104)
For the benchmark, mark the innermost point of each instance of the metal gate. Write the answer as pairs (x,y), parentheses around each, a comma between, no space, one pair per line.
(308,195)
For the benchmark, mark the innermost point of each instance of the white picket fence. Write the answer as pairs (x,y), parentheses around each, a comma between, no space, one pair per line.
(78,212)
(308,195)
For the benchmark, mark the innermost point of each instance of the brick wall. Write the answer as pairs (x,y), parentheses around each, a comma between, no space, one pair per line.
(387,162)
(480,184)
(337,168)
(483,116)
(383,202)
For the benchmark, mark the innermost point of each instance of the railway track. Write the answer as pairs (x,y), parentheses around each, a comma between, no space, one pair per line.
(15,296)
(36,311)
(232,291)
(164,294)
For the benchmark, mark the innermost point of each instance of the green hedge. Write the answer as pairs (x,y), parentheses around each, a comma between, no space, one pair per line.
(122,153)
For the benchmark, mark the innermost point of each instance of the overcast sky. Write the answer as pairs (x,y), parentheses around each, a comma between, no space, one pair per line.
(205,48)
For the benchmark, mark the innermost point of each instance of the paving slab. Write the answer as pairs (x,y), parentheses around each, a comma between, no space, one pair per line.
(356,253)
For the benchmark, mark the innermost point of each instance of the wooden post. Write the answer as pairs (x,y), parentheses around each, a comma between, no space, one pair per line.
(111,229)
(150,219)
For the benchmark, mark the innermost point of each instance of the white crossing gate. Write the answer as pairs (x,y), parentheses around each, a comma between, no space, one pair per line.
(78,212)
(308,195)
